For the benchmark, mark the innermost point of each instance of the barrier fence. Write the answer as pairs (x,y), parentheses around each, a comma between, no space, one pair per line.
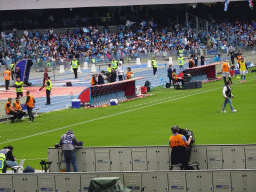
(150,158)
(158,181)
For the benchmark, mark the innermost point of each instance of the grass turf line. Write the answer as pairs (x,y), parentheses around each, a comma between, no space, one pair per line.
(149,125)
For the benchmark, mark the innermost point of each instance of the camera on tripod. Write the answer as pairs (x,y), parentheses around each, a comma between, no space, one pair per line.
(44,164)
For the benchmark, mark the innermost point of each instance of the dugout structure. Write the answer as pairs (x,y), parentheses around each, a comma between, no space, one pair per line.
(99,95)
(205,72)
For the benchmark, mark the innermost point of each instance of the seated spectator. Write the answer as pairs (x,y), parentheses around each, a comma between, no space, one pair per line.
(17,107)
(10,159)
(10,110)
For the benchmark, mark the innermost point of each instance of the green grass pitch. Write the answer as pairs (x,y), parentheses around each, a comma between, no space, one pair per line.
(142,122)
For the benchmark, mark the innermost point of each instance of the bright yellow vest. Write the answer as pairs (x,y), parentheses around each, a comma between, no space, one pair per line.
(20,89)
(181,60)
(75,64)
(242,66)
(154,63)
(12,67)
(49,87)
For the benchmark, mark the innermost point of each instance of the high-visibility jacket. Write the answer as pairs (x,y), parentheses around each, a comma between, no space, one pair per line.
(2,159)
(93,61)
(75,64)
(114,64)
(154,65)
(12,67)
(225,67)
(108,70)
(49,87)
(93,82)
(174,76)
(181,60)
(192,61)
(8,108)
(48,64)
(30,102)
(19,89)
(176,140)
(239,58)
(7,75)
(181,52)
(17,106)
(242,66)
(129,74)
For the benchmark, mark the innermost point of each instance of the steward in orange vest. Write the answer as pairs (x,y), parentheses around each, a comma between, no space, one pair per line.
(178,144)
(10,111)
(7,77)
(17,107)
(30,105)
(93,80)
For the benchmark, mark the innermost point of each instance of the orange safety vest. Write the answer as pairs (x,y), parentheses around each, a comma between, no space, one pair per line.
(176,140)
(30,102)
(8,108)
(239,58)
(191,60)
(17,106)
(225,67)
(92,81)
(7,75)
(129,74)
(174,76)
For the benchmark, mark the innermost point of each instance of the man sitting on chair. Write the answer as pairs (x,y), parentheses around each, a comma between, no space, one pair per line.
(18,109)
(178,144)
(10,159)
(176,78)
(10,111)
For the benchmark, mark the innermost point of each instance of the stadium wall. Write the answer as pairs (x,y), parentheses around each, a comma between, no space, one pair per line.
(49,4)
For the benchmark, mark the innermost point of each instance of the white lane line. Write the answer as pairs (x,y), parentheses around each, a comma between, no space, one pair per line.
(100,118)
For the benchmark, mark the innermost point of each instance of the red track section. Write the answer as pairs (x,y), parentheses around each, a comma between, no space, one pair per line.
(56,91)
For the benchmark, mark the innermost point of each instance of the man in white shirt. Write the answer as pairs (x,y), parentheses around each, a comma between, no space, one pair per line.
(227,95)
(120,72)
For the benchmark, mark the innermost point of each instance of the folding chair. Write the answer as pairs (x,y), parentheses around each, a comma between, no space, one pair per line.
(20,166)
(8,116)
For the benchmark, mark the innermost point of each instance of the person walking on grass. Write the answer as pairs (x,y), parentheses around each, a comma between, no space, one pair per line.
(227,95)
(30,105)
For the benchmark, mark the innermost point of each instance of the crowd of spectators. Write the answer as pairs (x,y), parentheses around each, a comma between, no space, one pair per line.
(90,43)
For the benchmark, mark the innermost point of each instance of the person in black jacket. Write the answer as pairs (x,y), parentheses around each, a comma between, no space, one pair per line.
(101,78)
(10,159)
(112,77)
(169,72)
(17,72)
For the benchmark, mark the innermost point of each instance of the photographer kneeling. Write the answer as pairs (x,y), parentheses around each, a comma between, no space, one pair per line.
(178,143)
